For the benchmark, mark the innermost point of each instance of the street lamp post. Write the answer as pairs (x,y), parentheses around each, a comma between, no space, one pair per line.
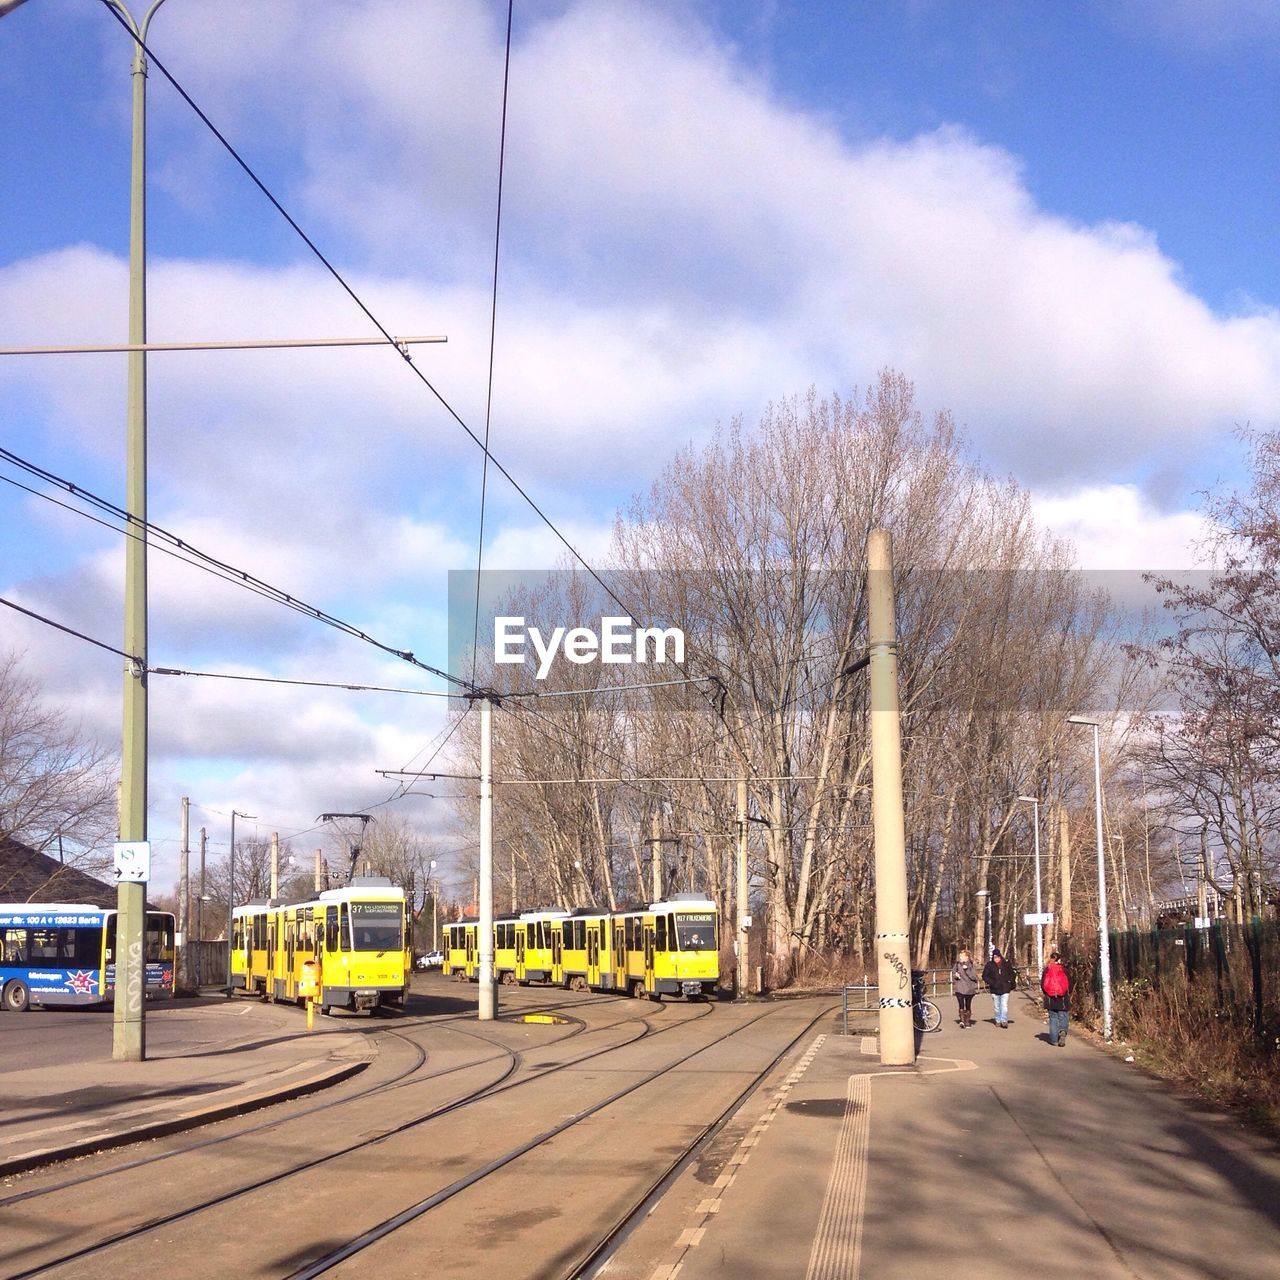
(1104,942)
(231,891)
(1035,818)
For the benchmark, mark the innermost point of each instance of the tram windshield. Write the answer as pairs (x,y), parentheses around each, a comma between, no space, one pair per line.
(377,926)
(696,931)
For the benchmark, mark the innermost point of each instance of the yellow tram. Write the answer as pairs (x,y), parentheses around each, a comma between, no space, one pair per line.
(666,948)
(347,948)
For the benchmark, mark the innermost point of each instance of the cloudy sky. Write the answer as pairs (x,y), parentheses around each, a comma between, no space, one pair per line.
(1058,220)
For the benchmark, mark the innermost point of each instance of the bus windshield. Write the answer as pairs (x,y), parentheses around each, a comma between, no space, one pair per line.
(696,931)
(377,926)
(159,937)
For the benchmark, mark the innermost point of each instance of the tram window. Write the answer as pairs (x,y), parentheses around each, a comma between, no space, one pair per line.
(660,933)
(696,931)
(344,927)
(331,929)
(377,926)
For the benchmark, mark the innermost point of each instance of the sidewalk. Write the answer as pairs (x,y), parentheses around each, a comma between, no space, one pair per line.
(996,1156)
(206,1059)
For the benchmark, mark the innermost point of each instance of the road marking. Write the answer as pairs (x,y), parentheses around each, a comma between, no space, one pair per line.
(837,1246)
(697,1223)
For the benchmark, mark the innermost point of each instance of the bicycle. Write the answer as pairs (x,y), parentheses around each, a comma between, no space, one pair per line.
(925,1015)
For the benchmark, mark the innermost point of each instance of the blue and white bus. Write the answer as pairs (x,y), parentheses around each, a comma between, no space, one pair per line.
(63,953)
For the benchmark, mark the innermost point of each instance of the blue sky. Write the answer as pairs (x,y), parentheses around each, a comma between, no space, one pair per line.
(1058,220)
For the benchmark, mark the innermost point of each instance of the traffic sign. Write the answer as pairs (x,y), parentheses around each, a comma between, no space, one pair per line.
(1038,917)
(133,861)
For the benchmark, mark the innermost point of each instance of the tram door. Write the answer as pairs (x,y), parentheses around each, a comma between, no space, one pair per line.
(593,956)
(648,955)
(521,928)
(269,985)
(471,951)
(557,952)
(619,955)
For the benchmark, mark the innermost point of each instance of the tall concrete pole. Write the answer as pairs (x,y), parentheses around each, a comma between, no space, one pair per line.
(488,1006)
(893,944)
(129,1040)
(741,882)
(183,977)
(275,864)
(319,871)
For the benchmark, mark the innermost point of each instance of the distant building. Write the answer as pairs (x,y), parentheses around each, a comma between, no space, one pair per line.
(28,876)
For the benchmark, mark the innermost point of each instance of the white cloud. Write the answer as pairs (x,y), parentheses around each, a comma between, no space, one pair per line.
(1114,527)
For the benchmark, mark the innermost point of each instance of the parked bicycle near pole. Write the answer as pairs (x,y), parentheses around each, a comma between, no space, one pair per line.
(925,1015)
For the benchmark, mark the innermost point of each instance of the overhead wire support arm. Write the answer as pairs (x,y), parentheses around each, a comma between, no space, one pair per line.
(401,344)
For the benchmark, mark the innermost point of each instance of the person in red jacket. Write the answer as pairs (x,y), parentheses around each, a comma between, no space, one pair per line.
(1056,987)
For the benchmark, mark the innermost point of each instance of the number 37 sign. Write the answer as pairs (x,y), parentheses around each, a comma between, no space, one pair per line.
(133,861)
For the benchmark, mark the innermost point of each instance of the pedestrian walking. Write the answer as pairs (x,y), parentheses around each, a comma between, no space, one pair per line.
(997,973)
(1057,989)
(964,982)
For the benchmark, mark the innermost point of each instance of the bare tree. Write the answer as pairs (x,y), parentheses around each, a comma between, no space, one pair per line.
(57,786)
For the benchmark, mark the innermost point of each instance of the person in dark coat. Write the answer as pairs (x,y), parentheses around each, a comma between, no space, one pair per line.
(997,973)
(1057,988)
(964,982)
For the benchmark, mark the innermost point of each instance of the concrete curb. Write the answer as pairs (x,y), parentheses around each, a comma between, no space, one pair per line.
(40,1157)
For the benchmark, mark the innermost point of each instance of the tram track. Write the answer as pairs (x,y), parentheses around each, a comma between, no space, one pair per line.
(276,1122)
(597,1253)
(501,1084)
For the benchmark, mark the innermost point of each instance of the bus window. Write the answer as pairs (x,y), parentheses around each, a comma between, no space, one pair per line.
(44,946)
(13,945)
(159,938)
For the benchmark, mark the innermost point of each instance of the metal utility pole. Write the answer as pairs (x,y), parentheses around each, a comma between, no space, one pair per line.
(744,920)
(893,943)
(129,1027)
(1104,937)
(1064,844)
(204,841)
(231,891)
(1035,802)
(655,844)
(488,1005)
(184,899)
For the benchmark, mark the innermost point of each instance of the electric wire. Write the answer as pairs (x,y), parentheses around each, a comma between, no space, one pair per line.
(183,550)
(351,293)
(79,635)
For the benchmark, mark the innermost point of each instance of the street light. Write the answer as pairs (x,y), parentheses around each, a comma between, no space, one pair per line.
(231,890)
(1035,818)
(991,942)
(1104,942)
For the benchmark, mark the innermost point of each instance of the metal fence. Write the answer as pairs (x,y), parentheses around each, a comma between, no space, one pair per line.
(1238,965)
(864,996)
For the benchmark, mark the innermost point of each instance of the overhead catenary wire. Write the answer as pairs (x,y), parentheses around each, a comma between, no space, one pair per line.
(166,540)
(359,302)
(79,635)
